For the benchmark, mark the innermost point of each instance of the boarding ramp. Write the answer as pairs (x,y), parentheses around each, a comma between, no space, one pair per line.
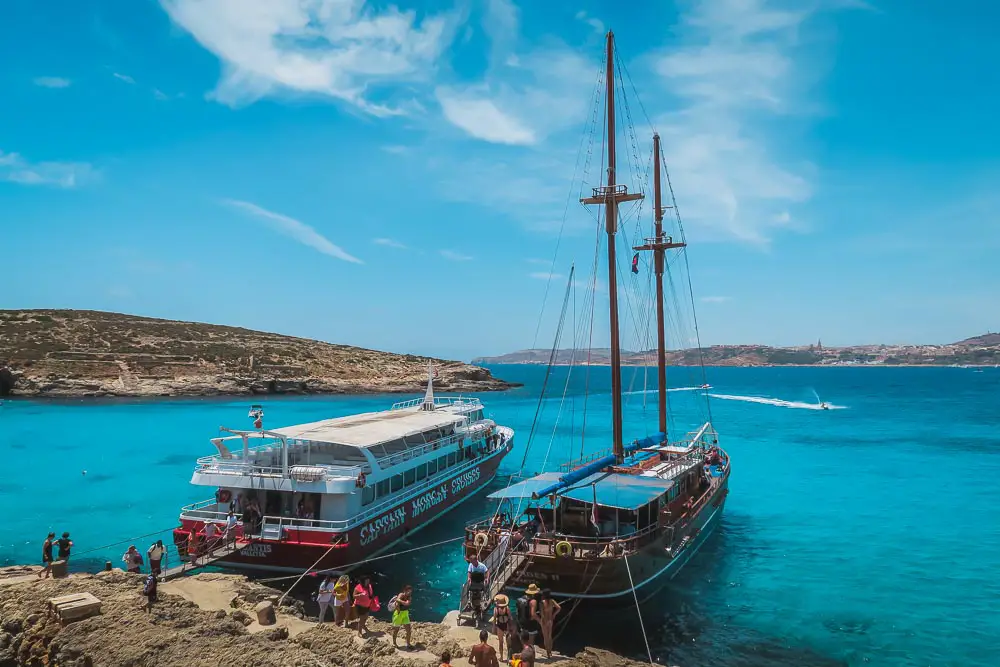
(221,547)
(502,563)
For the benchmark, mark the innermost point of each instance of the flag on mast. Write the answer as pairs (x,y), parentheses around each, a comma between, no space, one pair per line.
(635,263)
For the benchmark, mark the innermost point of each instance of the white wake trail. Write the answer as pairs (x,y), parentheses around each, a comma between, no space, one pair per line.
(653,391)
(799,405)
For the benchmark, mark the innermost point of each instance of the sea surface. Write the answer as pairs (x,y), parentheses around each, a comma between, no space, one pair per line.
(864,534)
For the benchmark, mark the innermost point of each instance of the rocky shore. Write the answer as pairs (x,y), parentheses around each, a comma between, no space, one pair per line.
(208,619)
(70,353)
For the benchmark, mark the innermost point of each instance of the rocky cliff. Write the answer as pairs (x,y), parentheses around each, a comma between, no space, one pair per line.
(206,620)
(92,353)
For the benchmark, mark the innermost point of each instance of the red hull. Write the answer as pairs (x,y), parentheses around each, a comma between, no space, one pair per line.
(303,548)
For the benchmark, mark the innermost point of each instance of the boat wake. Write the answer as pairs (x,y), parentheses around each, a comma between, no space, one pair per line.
(653,391)
(779,402)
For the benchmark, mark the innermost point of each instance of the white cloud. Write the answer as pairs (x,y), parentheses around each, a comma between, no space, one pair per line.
(389,243)
(455,256)
(52,82)
(338,48)
(715,299)
(481,119)
(742,66)
(16,169)
(544,275)
(160,95)
(123,77)
(294,229)
(541,262)
(594,23)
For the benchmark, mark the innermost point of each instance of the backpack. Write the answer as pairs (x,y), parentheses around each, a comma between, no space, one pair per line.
(392,603)
(150,585)
(523,612)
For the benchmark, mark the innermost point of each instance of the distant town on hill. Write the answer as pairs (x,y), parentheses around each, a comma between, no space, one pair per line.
(981,350)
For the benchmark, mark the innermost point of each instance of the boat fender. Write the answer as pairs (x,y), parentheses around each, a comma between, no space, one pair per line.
(361,480)
(564,549)
(224,495)
(481,539)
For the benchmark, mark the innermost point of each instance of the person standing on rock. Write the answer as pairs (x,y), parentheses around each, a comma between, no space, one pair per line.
(65,544)
(502,621)
(324,597)
(547,610)
(482,654)
(149,590)
(400,607)
(341,601)
(155,554)
(528,652)
(363,595)
(47,556)
(445,659)
(132,560)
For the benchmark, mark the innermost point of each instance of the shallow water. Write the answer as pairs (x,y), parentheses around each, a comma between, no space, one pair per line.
(860,535)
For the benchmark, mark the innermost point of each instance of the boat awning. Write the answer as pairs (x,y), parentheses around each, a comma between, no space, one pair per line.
(527,487)
(627,492)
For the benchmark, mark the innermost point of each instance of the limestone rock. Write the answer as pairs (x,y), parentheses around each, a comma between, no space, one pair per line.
(265,613)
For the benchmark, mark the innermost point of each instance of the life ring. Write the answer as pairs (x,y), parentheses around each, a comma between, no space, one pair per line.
(564,549)
(361,480)
(224,495)
(481,539)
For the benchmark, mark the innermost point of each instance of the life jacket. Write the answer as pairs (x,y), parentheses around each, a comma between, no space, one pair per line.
(515,661)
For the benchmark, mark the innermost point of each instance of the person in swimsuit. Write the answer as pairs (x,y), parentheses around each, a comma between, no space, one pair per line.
(401,616)
(482,654)
(547,617)
(363,595)
(341,601)
(501,620)
(47,556)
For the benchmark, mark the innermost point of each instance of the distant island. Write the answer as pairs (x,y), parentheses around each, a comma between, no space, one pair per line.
(977,351)
(68,353)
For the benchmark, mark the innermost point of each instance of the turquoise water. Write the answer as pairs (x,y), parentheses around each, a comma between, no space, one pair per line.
(865,534)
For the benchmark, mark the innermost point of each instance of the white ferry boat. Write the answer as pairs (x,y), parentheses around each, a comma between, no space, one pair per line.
(332,493)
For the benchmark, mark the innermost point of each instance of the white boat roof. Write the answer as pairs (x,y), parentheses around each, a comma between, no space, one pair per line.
(371,428)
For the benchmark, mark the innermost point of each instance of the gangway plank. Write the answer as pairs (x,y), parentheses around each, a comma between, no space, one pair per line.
(502,564)
(204,560)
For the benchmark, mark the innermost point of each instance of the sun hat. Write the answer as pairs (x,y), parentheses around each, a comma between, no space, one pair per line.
(501,600)
(533,590)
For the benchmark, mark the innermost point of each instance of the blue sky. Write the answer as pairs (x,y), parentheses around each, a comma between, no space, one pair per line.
(396,175)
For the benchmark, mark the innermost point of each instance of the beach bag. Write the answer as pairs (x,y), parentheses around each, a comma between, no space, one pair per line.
(375,606)
(392,603)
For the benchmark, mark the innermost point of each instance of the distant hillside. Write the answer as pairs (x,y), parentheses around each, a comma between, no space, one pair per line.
(979,350)
(92,353)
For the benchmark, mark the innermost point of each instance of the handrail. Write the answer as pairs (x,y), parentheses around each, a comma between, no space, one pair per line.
(438,400)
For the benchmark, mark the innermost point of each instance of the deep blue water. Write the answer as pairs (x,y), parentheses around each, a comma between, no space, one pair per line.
(866,534)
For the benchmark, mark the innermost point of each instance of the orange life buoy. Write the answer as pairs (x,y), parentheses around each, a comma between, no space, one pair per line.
(225,495)
(361,481)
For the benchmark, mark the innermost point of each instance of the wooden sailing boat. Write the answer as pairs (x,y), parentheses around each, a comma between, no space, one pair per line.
(618,523)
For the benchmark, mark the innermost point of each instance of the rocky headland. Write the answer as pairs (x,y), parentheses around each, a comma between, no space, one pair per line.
(68,353)
(208,619)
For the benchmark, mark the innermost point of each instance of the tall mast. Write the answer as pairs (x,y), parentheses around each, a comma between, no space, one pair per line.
(610,195)
(659,244)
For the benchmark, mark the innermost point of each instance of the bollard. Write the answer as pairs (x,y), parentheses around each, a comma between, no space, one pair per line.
(107,566)
(58,569)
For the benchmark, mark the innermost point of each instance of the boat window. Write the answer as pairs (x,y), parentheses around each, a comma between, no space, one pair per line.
(452,459)
(394,446)
(421,471)
(432,467)
(443,462)
(415,440)
(368,495)
(345,453)
(397,482)
(410,476)
(383,488)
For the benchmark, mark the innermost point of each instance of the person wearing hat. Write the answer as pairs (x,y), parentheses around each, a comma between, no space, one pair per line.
(132,560)
(502,621)
(527,611)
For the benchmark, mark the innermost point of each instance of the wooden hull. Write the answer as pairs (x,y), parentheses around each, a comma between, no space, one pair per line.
(612,579)
(303,549)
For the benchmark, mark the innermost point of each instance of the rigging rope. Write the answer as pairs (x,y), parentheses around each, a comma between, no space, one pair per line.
(638,609)
(332,547)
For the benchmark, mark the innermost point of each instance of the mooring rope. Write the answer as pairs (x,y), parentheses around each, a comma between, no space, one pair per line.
(281,599)
(638,609)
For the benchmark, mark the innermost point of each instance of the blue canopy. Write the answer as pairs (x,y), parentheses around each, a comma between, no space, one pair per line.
(527,487)
(627,492)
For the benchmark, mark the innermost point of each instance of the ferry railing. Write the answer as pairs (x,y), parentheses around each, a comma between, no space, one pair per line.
(438,400)
(243,467)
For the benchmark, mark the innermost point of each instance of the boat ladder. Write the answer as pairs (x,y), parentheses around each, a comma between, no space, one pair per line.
(502,564)
(227,548)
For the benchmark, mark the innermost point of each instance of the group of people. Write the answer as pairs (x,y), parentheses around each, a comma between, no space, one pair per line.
(62,545)
(343,599)
(155,553)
